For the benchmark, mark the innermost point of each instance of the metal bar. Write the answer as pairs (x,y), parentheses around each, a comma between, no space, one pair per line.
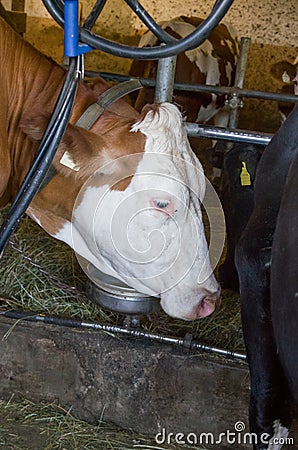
(202,87)
(72,47)
(196,130)
(239,80)
(165,79)
(75,323)
(226,134)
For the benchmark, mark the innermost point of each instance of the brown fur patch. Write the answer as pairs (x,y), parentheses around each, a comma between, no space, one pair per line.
(280,67)
(31,83)
(110,138)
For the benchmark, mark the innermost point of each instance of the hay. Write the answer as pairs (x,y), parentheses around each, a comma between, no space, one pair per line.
(40,274)
(26,425)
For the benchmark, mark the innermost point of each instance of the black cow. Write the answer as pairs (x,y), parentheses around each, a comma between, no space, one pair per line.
(284,280)
(271,403)
(240,165)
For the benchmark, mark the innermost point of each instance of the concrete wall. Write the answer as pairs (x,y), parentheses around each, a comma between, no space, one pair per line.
(272,22)
(136,384)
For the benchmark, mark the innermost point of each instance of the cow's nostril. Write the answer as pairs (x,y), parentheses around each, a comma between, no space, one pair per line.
(207,306)
(161,204)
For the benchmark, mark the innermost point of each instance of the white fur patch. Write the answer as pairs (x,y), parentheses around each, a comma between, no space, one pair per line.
(286,77)
(164,130)
(180,27)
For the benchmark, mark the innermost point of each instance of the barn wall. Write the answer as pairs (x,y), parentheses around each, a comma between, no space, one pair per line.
(272,22)
(271,26)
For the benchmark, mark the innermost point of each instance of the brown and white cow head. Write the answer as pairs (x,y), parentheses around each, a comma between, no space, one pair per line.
(287,74)
(137,213)
(126,193)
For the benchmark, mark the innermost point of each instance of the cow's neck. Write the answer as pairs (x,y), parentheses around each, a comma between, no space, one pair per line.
(53,206)
(32,84)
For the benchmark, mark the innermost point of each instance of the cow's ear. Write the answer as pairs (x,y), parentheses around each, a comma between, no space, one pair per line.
(283,71)
(80,151)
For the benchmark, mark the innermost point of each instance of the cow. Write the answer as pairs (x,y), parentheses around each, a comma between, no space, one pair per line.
(239,167)
(126,194)
(214,62)
(268,288)
(284,280)
(287,74)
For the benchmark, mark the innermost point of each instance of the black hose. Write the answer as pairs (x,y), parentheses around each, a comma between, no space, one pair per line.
(53,120)
(194,39)
(150,23)
(92,17)
(187,343)
(44,157)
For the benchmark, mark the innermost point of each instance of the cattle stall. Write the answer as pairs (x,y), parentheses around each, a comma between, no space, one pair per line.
(147,372)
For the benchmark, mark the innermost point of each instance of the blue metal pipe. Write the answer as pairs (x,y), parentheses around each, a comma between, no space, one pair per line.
(72,47)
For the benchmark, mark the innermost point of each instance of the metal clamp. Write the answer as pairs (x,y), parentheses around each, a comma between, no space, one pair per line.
(80,70)
(187,343)
(234,101)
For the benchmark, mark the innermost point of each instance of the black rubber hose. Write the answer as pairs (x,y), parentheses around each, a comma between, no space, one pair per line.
(47,149)
(92,17)
(150,23)
(187,343)
(57,108)
(194,39)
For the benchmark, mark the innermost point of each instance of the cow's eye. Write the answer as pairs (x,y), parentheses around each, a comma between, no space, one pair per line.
(165,205)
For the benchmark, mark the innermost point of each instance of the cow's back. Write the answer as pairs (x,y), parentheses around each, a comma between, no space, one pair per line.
(214,62)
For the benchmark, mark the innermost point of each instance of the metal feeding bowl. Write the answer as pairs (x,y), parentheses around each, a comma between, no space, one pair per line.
(114,295)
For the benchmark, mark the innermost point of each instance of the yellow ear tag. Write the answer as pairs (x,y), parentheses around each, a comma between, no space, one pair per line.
(245,176)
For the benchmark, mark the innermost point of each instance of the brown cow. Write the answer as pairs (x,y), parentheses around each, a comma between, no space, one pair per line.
(287,74)
(126,194)
(214,62)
